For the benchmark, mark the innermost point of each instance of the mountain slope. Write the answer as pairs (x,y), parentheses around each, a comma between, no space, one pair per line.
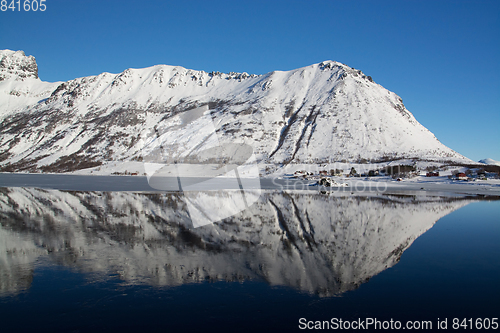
(325,112)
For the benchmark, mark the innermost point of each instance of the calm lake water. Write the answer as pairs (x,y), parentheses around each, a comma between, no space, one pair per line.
(89,261)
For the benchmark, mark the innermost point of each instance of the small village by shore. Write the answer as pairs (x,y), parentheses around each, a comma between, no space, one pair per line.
(339,177)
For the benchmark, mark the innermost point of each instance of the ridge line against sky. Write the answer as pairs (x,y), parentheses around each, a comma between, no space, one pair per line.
(441,57)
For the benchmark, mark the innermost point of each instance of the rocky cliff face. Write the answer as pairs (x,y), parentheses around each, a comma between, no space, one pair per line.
(312,242)
(15,65)
(326,112)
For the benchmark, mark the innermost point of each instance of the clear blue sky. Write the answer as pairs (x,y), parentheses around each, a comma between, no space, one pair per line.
(441,57)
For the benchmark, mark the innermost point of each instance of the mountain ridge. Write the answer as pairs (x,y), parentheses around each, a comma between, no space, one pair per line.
(326,112)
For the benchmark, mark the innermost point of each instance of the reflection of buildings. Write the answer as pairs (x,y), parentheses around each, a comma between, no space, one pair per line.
(312,242)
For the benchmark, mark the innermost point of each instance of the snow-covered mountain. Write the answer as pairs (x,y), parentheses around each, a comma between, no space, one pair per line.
(15,65)
(312,242)
(325,112)
(489,161)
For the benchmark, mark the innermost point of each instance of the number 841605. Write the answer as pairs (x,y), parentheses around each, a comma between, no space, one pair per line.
(26,5)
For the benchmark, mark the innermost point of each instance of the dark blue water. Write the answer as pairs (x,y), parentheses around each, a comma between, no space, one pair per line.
(450,271)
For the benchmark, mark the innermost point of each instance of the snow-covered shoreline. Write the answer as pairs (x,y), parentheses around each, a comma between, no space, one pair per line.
(441,186)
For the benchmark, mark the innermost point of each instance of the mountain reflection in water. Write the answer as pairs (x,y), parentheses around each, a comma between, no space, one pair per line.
(312,242)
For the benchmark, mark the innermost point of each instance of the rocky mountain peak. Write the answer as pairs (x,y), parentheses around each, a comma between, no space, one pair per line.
(16,65)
